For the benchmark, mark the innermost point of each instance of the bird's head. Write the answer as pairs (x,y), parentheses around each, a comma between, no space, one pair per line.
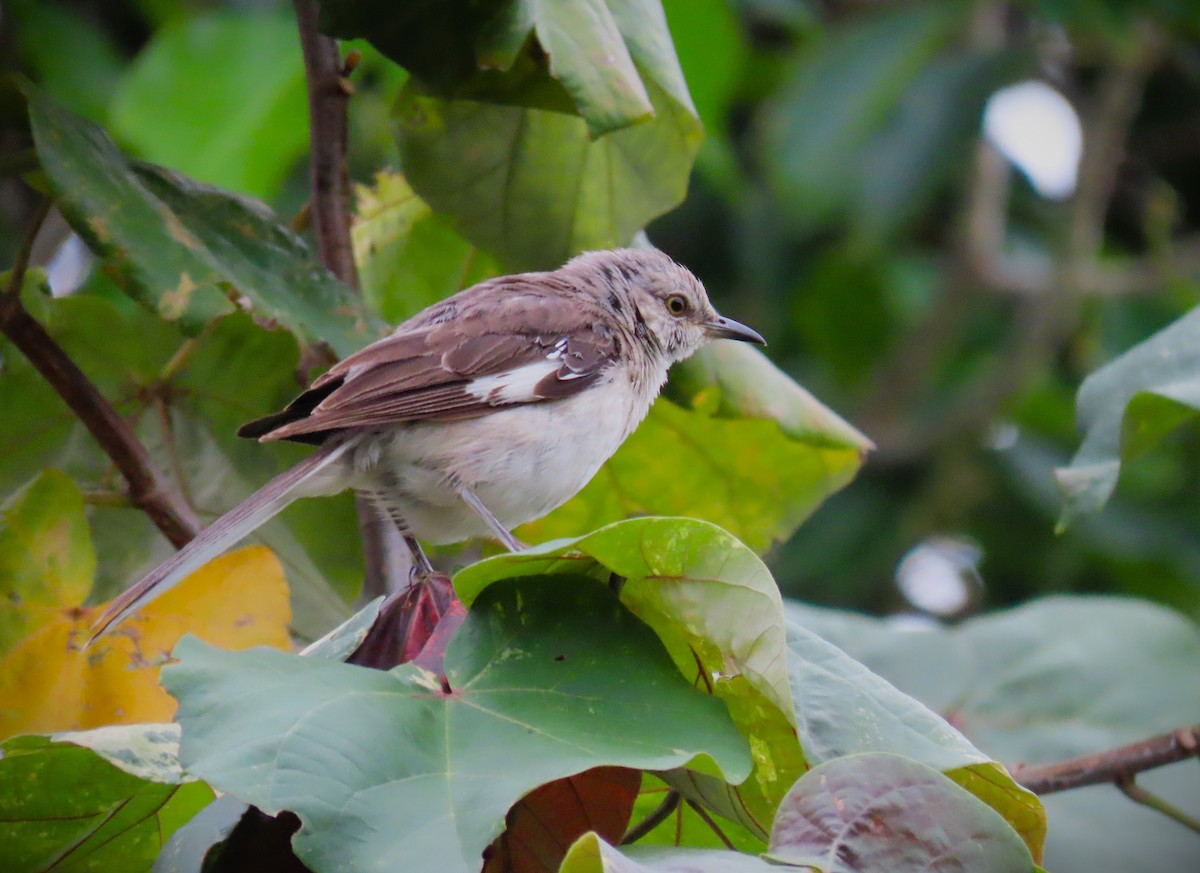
(665,305)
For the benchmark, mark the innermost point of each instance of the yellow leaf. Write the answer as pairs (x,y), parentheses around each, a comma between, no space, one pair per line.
(48,683)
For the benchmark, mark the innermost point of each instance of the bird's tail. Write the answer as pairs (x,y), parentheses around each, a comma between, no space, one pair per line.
(253,512)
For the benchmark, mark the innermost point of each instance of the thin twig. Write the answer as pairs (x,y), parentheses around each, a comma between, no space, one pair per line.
(1149,799)
(17,277)
(660,814)
(149,489)
(1111,765)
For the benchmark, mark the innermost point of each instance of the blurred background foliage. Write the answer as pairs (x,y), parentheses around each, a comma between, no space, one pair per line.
(944,298)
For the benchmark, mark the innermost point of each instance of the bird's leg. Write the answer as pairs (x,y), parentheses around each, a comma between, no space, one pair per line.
(421,568)
(469,497)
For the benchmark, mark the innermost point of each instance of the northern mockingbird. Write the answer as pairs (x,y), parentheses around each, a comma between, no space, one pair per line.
(482,412)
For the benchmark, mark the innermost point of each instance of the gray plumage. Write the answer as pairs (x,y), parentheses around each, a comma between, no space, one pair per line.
(484,411)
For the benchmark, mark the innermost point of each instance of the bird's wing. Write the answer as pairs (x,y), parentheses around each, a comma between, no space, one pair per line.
(471,355)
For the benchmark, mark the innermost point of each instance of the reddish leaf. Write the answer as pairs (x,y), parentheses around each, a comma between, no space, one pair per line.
(542,826)
(406,623)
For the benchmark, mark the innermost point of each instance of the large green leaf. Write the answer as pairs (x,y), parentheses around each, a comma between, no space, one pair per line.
(531,186)
(98,800)
(409,256)
(46,556)
(1055,679)
(188,251)
(1126,408)
(607,54)
(716,609)
(886,812)
(241,77)
(185,408)
(845,709)
(389,769)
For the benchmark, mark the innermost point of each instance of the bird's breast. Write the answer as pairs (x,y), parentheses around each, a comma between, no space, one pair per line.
(522,462)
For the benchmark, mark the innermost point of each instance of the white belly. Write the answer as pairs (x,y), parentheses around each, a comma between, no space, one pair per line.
(521,462)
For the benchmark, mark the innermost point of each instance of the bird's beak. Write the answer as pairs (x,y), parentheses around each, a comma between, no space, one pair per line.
(726,328)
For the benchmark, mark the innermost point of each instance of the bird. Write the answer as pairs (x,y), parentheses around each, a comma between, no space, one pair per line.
(482,412)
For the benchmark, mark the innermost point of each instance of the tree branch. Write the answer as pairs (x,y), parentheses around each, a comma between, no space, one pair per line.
(1117,765)
(149,489)
(329,210)
(327,102)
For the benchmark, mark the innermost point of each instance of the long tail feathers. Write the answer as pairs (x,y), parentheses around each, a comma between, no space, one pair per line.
(253,512)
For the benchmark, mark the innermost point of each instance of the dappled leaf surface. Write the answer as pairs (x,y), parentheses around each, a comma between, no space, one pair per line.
(46,556)
(886,812)
(530,185)
(49,682)
(186,249)
(63,807)
(386,768)
(1126,408)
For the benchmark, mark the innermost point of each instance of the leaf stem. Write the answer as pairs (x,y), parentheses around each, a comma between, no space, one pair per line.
(1138,794)
(660,814)
(708,820)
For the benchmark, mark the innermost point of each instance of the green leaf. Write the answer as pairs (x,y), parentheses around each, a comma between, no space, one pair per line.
(409,257)
(845,709)
(531,186)
(739,381)
(1053,679)
(387,769)
(340,643)
(186,250)
(186,415)
(46,556)
(67,808)
(73,59)
(886,812)
(1127,407)
(819,127)
(241,77)
(608,54)
(147,751)
(713,604)
(590,854)
(745,474)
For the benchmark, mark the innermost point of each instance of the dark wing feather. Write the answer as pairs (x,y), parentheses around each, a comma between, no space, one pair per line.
(426,368)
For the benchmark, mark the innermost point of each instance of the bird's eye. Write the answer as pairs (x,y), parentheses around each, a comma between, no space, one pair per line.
(677,304)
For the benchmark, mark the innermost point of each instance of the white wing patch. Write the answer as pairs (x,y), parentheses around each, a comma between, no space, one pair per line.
(513,386)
